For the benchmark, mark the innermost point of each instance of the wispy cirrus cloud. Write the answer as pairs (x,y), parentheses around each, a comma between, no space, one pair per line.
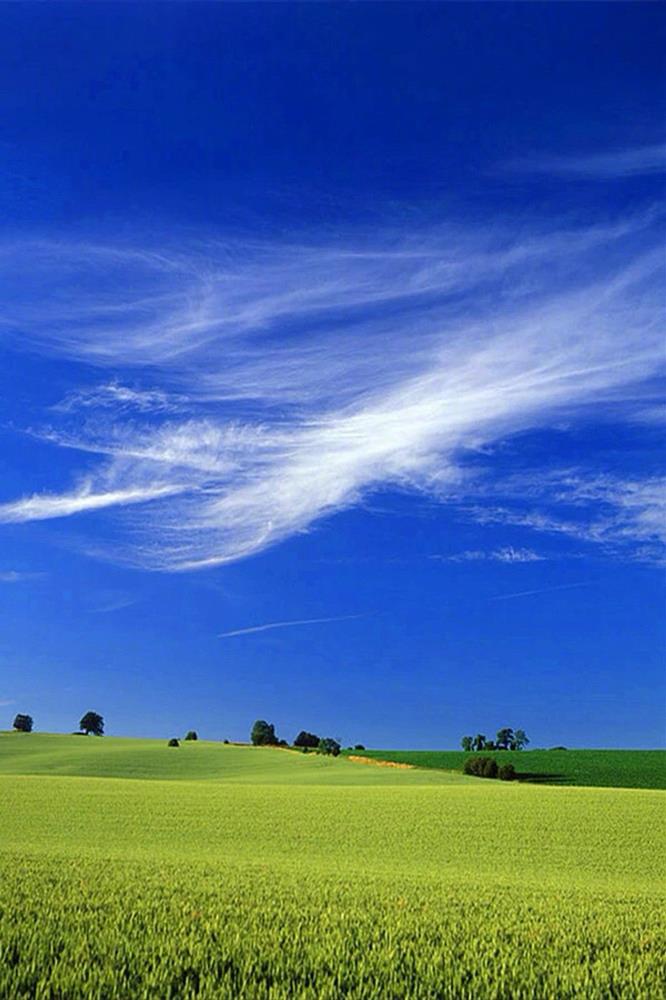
(122,398)
(634,161)
(319,372)
(18,576)
(506,554)
(268,626)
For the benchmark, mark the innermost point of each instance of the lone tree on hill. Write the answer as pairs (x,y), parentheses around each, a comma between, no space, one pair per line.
(23,723)
(467,743)
(263,734)
(305,739)
(191,735)
(92,722)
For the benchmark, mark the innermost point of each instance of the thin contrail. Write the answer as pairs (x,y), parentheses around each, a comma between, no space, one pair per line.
(298,621)
(544,590)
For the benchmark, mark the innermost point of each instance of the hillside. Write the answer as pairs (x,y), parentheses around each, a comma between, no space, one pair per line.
(200,760)
(593,768)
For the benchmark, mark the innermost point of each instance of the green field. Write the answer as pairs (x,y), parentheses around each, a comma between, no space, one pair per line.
(595,768)
(128,869)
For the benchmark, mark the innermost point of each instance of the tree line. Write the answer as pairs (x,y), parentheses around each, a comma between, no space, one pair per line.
(506,739)
(91,722)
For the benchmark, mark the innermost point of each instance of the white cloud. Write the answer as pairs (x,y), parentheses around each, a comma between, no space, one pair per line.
(506,554)
(288,624)
(18,576)
(113,395)
(636,161)
(317,373)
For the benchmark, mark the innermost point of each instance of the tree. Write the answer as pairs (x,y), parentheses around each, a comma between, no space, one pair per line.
(173,742)
(504,738)
(263,734)
(507,772)
(92,722)
(23,723)
(467,743)
(479,742)
(305,739)
(191,735)
(520,740)
(329,746)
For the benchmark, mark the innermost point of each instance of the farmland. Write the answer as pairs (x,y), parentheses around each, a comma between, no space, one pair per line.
(593,768)
(131,870)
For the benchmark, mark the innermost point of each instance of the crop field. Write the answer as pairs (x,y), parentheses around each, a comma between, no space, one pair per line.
(596,768)
(131,870)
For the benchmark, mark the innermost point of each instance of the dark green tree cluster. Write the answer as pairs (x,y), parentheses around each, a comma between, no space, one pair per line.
(329,746)
(306,739)
(23,723)
(92,722)
(487,767)
(506,739)
(191,735)
(263,734)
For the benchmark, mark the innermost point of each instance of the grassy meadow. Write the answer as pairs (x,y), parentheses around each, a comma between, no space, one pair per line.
(128,869)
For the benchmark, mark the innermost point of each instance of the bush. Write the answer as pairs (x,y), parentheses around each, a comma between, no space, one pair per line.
(191,735)
(359,746)
(79,733)
(557,748)
(489,769)
(226,742)
(173,743)
(507,772)
(481,767)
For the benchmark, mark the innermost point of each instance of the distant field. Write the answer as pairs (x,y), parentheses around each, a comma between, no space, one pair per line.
(596,768)
(229,872)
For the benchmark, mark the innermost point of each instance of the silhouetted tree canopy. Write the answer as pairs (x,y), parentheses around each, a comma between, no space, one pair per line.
(329,746)
(306,739)
(92,722)
(173,742)
(23,723)
(191,735)
(263,734)
(467,743)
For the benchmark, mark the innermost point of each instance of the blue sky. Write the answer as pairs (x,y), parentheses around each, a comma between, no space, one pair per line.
(331,355)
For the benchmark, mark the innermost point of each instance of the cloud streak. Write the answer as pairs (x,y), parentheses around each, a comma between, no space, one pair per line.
(636,161)
(287,624)
(315,373)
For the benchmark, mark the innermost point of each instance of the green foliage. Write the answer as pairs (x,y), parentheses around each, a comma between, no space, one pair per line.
(504,738)
(306,739)
(263,734)
(22,723)
(329,746)
(92,722)
(507,772)
(467,743)
(191,735)
(173,742)
(425,885)
(359,746)
(481,767)
(520,740)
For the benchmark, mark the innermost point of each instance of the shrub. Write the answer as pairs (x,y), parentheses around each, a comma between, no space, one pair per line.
(481,767)
(507,772)
(557,748)
(191,735)
(226,742)
(489,769)
(173,743)
(359,746)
